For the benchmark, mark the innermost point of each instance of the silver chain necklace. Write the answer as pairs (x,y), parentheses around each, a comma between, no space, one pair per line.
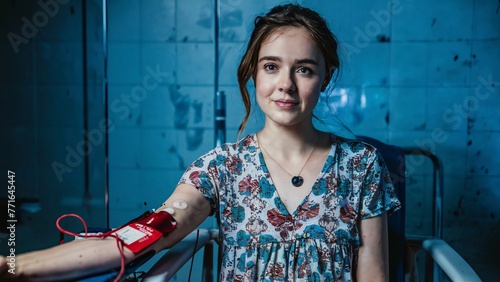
(296,180)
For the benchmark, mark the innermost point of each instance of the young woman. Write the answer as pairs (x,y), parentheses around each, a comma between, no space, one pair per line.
(295,203)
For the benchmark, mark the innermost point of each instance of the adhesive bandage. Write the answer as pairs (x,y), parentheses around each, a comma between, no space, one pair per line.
(180,204)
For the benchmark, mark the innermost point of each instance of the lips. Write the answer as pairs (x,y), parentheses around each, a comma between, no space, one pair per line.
(285,104)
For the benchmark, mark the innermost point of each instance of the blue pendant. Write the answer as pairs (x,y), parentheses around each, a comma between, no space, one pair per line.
(297,181)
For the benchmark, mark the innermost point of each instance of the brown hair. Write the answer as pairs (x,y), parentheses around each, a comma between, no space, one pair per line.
(289,15)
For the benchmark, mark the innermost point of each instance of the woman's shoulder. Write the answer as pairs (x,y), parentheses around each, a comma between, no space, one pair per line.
(352,146)
(247,144)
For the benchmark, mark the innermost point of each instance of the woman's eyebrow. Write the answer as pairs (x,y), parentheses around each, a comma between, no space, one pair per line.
(306,61)
(270,58)
(298,61)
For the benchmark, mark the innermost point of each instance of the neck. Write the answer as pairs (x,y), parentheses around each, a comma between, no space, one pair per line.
(291,152)
(288,141)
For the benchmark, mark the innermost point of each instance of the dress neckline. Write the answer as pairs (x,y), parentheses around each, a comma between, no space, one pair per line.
(280,205)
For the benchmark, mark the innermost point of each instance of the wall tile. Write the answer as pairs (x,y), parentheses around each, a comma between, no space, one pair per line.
(368,65)
(483,105)
(64,22)
(483,201)
(447,109)
(160,184)
(486,19)
(429,109)
(158,149)
(125,146)
(433,109)
(125,186)
(59,62)
(482,151)
(20,159)
(191,144)
(449,63)
(158,109)
(124,63)
(60,194)
(419,22)
(409,64)
(339,15)
(158,20)
(195,63)
(195,20)
(64,155)
(194,106)
(124,109)
(449,147)
(485,68)
(124,20)
(12,12)
(373,21)
(159,64)
(403,99)
(65,104)
(236,19)
(15,97)
(229,58)
(430,63)
(359,108)
(21,64)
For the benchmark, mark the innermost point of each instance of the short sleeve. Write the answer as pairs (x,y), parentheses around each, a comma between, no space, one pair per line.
(378,193)
(203,175)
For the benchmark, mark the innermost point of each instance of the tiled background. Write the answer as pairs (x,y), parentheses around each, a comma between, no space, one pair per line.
(415,73)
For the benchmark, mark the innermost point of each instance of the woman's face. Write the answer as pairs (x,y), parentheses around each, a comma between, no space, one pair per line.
(290,74)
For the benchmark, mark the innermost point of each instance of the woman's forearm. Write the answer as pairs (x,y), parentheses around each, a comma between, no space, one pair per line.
(70,260)
(95,255)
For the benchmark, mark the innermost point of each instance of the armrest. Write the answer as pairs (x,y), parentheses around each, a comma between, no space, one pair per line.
(449,260)
(166,267)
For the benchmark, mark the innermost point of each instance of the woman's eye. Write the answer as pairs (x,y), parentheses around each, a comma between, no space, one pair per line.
(270,67)
(304,70)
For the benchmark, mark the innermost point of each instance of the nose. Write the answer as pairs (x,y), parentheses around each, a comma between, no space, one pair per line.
(286,82)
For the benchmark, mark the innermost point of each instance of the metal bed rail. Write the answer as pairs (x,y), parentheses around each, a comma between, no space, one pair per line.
(167,266)
(440,255)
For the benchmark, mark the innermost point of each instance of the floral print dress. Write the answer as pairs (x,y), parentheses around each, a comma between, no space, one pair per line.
(318,241)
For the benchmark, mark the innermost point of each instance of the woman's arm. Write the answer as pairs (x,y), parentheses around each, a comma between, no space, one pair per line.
(373,257)
(89,256)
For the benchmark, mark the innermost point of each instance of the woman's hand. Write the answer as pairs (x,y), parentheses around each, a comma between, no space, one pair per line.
(3,268)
